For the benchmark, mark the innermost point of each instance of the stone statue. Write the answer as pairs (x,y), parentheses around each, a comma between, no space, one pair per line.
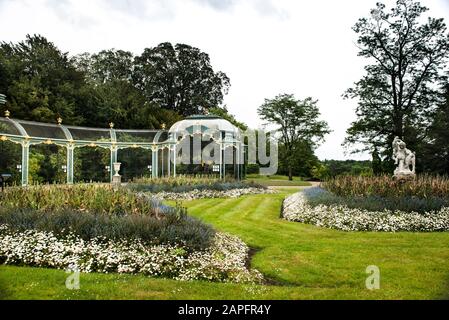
(404,159)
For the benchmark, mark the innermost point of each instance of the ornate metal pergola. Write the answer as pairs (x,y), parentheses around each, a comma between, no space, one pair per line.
(28,133)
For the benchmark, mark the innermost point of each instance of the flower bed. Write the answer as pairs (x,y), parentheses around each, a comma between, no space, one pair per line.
(223,261)
(423,186)
(202,194)
(94,228)
(96,198)
(183,184)
(297,208)
(91,211)
(319,196)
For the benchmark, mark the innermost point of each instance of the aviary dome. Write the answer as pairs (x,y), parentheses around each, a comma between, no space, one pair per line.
(205,123)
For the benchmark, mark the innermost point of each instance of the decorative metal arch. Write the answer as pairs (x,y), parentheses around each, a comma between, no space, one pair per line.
(23,132)
(20,132)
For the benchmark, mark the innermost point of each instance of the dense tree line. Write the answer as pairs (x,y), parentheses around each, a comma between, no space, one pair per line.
(435,148)
(331,168)
(161,86)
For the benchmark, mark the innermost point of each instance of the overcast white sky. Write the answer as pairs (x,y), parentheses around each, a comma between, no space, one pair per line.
(266,47)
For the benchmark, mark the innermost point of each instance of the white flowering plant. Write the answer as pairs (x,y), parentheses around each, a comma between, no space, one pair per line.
(338,216)
(207,194)
(60,227)
(224,261)
(184,184)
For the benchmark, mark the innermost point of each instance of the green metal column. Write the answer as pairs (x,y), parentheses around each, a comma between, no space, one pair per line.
(224,161)
(221,161)
(162,161)
(174,140)
(154,162)
(237,156)
(168,161)
(174,160)
(113,159)
(25,161)
(70,151)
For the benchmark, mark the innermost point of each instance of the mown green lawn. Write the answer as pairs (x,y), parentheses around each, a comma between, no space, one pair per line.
(300,261)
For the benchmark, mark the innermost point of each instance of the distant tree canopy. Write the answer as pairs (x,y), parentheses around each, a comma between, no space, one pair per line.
(179,78)
(435,149)
(223,113)
(297,125)
(161,85)
(335,168)
(301,163)
(403,84)
(39,81)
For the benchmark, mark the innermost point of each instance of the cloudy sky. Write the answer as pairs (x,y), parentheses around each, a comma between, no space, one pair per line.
(266,47)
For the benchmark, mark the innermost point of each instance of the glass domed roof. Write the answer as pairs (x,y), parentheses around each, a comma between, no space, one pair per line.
(204,123)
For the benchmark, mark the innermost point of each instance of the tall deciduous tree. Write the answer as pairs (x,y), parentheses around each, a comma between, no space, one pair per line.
(436,146)
(180,78)
(106,65)
(224,113)
(114,95)
(42,83)
(297,124)
(39,80)
(403,80)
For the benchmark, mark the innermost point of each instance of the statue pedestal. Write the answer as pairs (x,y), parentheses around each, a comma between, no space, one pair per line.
(404,158)
(116,178)
(404,176)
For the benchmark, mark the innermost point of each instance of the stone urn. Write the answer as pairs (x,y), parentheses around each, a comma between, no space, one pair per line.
(117,178)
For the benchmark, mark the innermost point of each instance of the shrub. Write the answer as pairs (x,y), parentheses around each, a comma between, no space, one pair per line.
(169,228)
(209,194)
(100,211)
(252,169)
(224,260)
(96,198)
(182,184)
